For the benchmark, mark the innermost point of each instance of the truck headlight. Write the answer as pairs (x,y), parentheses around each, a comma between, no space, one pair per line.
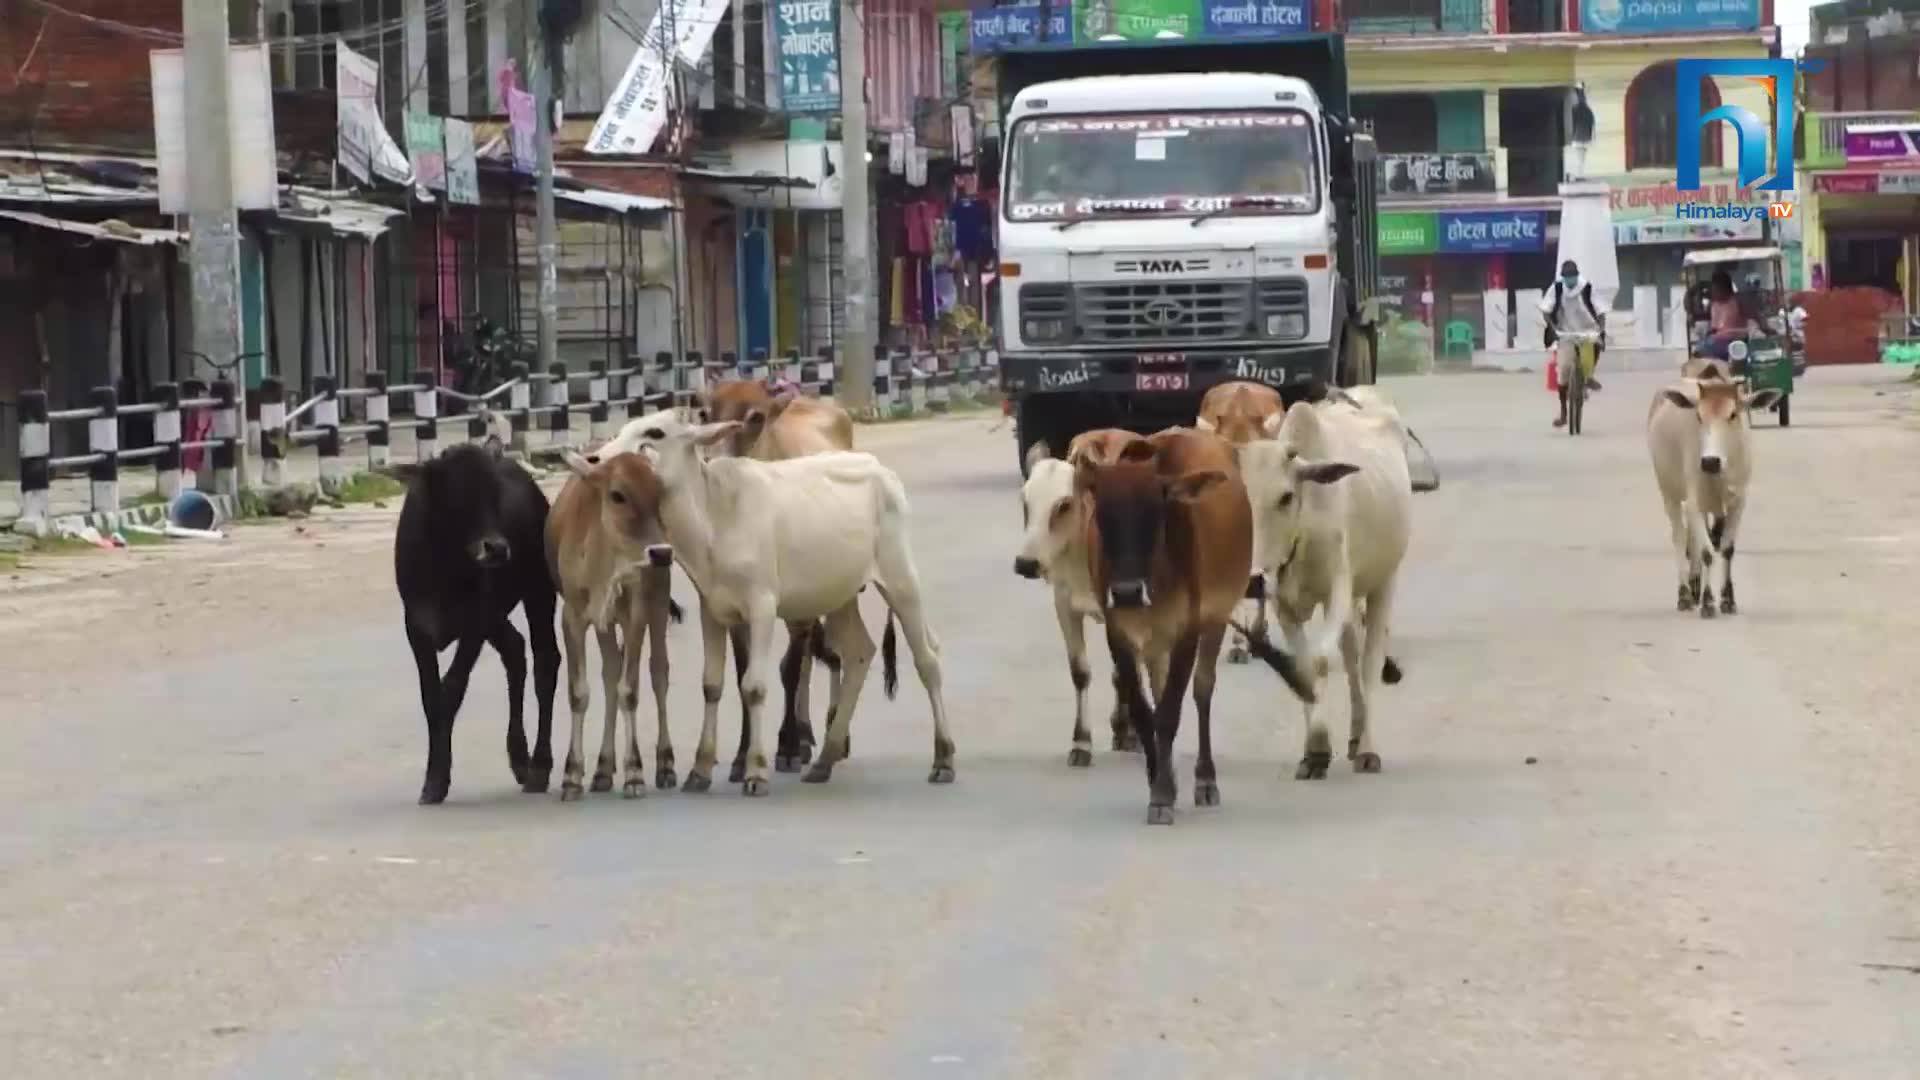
(1286,326)
(1044,329)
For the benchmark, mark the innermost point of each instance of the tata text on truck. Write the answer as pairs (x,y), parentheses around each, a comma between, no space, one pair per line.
(1174,217)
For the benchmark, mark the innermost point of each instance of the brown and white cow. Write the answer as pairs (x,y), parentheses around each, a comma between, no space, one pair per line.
(1169,540)
(1697,435)
(1054,550)
(1241,412)
(608,554)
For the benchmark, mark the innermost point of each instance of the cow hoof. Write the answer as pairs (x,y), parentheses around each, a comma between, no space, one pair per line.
(941,774)
(788,763)
(434,792)
(1706,609)
(1159,815)
(536,784)
(1238,655)
(755,787)
(602,782)
(806,753)
(664,778)
(1206,793)
(570,791)
(738,773)
(819,774)
(1079,758)
(1353,749)
(1728,607)
(1314,766)
(697,784)
(1368,762)
(633,789)
(1685,601)
(1126,743)
(1390,672)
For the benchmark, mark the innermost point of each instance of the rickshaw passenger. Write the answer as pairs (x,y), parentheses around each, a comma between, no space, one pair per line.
(1726,323)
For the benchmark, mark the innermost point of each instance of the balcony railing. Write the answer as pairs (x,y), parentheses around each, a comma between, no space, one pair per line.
(1825,138)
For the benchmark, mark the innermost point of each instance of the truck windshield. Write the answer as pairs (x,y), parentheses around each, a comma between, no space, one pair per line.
(1068,168)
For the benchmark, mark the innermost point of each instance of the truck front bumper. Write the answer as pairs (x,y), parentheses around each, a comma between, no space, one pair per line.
(1167,371)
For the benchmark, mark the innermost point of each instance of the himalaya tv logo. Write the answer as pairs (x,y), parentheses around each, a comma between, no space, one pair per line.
(1757,143)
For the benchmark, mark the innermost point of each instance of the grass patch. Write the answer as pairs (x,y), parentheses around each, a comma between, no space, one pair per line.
(135,538)
(369,487)
(145,498)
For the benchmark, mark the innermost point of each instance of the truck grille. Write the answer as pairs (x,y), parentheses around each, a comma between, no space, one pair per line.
(1283,296)
(1166,311)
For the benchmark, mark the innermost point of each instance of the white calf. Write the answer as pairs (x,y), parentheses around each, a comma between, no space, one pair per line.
(1333,543)
(1697,435)
(1055,550)
(773,541)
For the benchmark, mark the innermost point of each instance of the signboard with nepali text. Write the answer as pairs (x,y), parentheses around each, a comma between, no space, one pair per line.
(1408,234)
(1471,232)
(1002,26)
(808,35)
(1018,24)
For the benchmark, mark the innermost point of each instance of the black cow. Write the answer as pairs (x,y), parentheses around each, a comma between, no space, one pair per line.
(469,549)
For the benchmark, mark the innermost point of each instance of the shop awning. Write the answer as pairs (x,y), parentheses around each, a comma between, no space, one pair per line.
(617,201)
(115,230)
(760,180)
(344,217)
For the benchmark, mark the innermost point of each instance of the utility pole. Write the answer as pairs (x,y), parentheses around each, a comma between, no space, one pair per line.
(543,51)
(855,390)
(214,247)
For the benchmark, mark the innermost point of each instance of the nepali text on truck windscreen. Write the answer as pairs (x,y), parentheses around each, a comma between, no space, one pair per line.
(1069,168)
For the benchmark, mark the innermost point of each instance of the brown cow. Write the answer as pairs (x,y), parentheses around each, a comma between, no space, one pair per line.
(1238,411)
(608,554)
(1100,446)
(774,429)
(1169,540)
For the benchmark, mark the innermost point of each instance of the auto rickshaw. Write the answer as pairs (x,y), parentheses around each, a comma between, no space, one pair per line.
(1770,355)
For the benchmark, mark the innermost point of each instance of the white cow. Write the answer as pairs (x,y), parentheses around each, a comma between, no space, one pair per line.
(1055,550)
(773,541)
(1697,435)
(1333,511)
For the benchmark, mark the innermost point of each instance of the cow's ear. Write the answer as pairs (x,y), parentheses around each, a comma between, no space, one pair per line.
(1762,399)
(1194,485)
(756,421)
(1203,424)
(708,434)
(581,467)
(1271,425)
(1038,453)
(1325,472)
(1137,450)
(1680,398)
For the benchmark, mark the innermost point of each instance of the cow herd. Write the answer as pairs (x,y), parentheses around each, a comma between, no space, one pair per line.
(1302,511)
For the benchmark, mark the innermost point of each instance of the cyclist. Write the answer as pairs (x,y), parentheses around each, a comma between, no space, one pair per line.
(1568,306)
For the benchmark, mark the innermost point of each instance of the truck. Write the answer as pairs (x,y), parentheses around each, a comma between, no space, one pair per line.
(1174,216)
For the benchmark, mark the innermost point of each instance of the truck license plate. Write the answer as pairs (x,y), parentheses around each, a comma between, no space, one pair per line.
(1160,380)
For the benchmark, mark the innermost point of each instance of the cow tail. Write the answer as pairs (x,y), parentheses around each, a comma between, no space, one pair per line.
(889,660)
(674,612)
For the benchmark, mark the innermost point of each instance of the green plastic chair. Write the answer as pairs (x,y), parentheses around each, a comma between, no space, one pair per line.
(1459,332)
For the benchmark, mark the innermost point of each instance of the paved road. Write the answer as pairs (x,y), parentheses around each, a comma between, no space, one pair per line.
(211,862)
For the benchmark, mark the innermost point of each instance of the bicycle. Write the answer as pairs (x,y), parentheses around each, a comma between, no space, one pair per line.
(1586,351)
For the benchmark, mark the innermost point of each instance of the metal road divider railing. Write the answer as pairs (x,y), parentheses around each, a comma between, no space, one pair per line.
(538,408)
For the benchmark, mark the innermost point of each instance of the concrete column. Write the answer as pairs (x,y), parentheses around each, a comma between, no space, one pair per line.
(1490,105)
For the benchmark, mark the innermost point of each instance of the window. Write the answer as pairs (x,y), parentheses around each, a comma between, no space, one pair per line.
(1651,135)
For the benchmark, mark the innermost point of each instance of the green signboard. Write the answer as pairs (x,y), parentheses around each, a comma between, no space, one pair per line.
(1413,233)
(1135,20)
